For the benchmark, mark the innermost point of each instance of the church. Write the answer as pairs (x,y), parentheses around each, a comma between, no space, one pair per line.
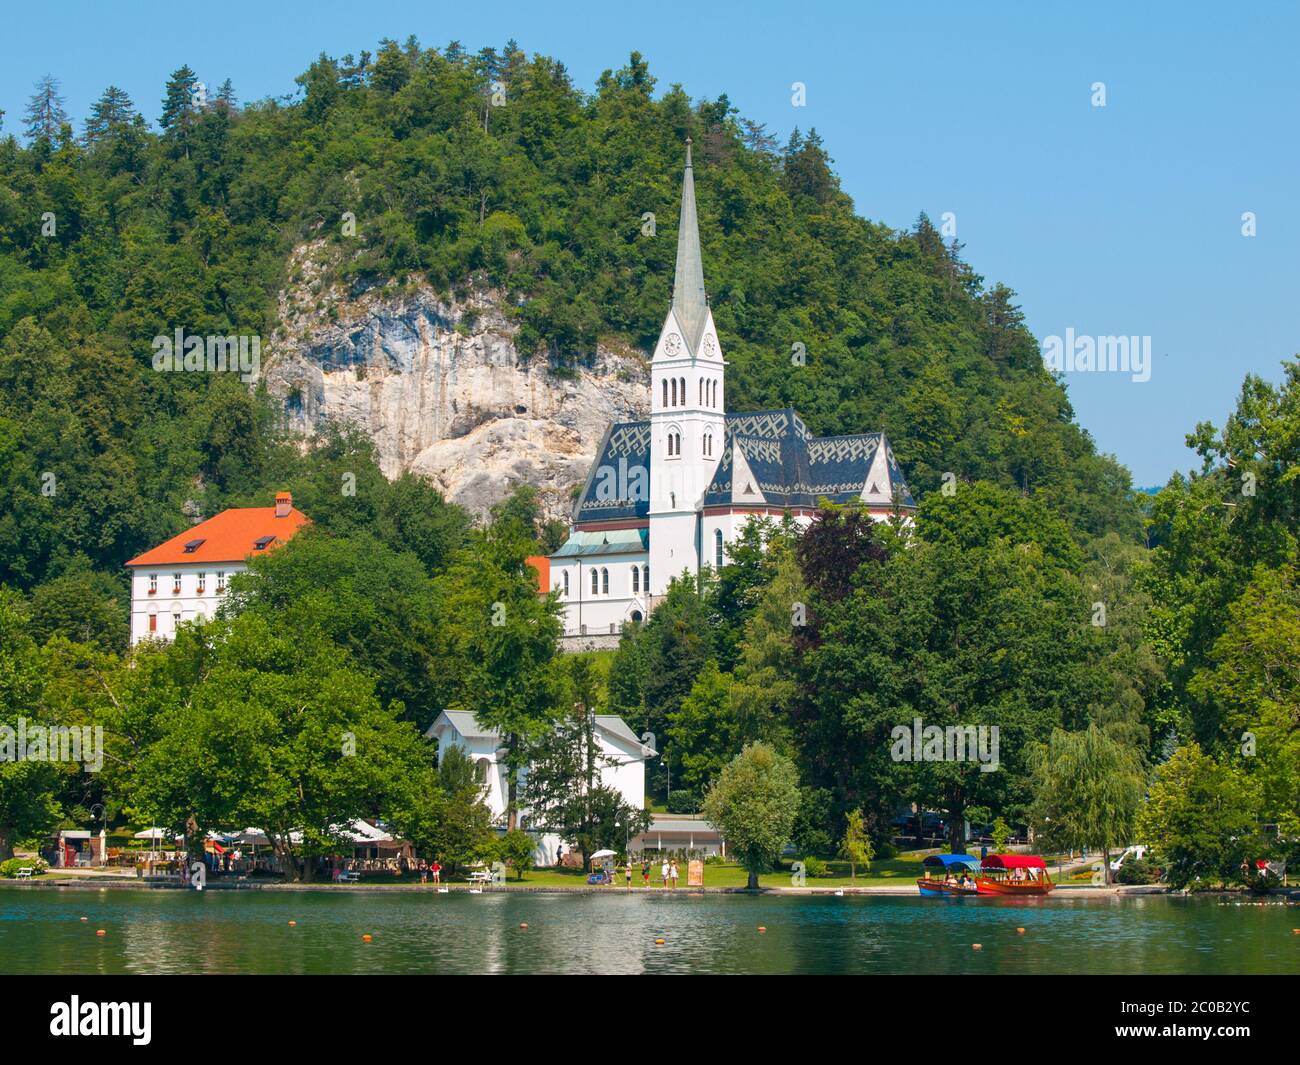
(666,495)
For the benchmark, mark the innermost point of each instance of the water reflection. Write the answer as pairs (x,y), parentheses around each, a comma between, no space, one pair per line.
(245,932)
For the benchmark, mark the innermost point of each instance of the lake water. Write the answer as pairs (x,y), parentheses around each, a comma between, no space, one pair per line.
(153,931)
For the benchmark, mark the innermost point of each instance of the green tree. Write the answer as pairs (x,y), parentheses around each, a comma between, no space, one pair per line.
(855,847)
(28,803)
(45,114)
(84,606)
(109,115)
(179,106)
(497,644)
(563,790)
(753,803)
(1087,790)
(516,849)
(446,818)
(702,733)
(373,602)
(1201,816)
(1252,681)
(278,730)
(975,626)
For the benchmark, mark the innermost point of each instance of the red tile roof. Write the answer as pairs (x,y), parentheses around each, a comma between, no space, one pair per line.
(227,537)
(542,565)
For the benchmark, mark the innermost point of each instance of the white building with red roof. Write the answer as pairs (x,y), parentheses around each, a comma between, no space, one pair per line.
(186,577)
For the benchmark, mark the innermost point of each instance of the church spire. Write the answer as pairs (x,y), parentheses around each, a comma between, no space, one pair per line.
(689,301)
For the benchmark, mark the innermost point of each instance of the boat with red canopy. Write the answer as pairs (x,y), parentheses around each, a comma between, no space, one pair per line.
(1013,874)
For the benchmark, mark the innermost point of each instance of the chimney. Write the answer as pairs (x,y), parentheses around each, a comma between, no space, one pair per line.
(283,504)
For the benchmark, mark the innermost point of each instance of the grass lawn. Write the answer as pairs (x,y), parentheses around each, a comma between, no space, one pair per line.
(900,870)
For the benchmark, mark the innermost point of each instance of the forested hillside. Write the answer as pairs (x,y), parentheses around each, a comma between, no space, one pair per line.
(463,169)
(1138,664)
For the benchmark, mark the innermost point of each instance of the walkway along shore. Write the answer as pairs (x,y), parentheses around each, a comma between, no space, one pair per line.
(99,883)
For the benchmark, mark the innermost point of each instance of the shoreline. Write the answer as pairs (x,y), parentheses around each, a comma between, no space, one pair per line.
(106,883)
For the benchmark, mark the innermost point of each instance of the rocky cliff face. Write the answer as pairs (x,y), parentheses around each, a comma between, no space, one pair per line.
(440,387)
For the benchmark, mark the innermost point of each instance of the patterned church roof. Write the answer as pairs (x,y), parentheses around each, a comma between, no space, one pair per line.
(792,468)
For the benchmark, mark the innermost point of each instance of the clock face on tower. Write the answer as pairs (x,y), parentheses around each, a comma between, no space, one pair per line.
(672,344)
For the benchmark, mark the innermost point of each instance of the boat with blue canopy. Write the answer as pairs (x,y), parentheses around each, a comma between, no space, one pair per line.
(954,875)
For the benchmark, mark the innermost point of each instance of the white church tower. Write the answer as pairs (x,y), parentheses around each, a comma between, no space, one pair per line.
(667,495)
(687,420)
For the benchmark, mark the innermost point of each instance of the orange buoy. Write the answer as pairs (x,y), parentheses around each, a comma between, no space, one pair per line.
(977,946)
(762,928)
(100,932)
(292,924)
(367,938)
(523,924)
(85,918)
(659,942)
(1020,931)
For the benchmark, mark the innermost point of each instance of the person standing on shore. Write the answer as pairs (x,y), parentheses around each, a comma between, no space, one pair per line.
(663,873)
(436,869)
(645,872)
(627,871)
(672,872)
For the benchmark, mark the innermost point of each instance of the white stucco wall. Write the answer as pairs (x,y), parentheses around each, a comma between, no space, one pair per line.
(166,602)
(600,611)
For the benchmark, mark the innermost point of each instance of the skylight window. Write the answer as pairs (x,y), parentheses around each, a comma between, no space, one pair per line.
(262,542)
(194,545)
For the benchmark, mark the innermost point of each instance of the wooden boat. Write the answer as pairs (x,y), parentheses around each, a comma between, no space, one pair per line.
(1014,875)
(944,864)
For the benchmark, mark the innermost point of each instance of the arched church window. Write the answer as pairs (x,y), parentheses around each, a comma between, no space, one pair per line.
(665,391)
(683,391)
(717,548)
(481,769)
(595,583)
(636,579)
(566,583)
(701,400)
(645,579)
(604,581)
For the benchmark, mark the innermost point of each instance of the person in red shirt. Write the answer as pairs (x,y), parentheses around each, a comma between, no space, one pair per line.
(436,869)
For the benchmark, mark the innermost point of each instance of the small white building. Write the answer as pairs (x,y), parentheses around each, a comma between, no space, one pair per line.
(621,760)
(680,834)
(187,576)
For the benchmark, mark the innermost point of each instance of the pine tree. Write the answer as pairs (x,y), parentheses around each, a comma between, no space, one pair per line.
(45,113)
(392,68)
(757,138)
(226,100)
(111,111)
(179,107)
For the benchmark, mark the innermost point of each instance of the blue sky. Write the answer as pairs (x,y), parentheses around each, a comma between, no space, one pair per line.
(1122,220)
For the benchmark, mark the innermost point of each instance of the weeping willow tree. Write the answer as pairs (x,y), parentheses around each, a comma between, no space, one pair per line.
(1087,788)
